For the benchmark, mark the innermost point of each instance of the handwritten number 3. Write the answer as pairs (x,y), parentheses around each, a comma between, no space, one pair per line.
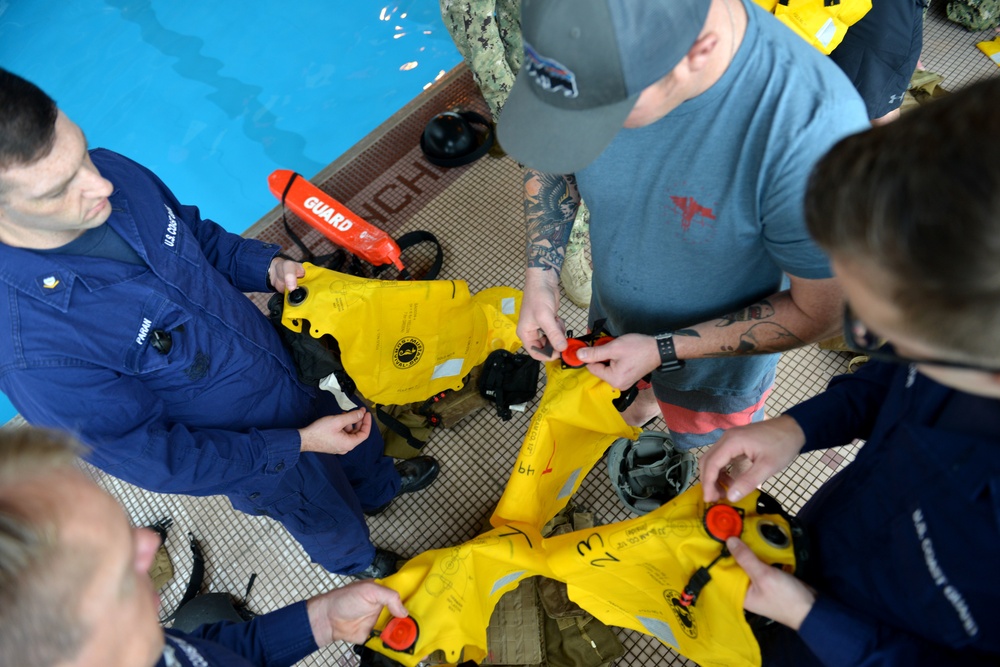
(596,562)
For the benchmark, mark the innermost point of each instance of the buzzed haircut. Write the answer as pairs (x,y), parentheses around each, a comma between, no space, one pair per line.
(40,582)
(27,122)
(920,199)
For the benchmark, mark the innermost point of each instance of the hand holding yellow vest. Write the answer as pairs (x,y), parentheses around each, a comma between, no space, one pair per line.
(633,573)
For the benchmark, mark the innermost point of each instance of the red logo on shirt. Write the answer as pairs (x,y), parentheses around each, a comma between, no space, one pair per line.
(689,209)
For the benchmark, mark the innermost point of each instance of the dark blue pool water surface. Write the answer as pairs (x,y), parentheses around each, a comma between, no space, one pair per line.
(213,96)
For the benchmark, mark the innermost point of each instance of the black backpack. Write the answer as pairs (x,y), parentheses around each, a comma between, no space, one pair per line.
(509,379)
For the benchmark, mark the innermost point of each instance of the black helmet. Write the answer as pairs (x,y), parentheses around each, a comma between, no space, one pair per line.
(449,139)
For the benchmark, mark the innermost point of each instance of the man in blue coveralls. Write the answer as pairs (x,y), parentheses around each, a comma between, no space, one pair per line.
(123,321)
(903,540)
(75,589)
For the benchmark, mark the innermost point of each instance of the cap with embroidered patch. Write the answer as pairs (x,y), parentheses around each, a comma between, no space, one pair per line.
(585,63)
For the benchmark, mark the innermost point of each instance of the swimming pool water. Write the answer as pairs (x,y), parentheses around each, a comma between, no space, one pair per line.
(214,96)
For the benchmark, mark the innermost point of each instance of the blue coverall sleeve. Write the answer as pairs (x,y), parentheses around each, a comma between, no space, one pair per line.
(277,639)
(847,409)
(131,438)
(841,637)
(243,261)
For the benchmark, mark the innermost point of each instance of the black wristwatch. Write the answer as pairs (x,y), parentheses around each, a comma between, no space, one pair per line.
(668,355)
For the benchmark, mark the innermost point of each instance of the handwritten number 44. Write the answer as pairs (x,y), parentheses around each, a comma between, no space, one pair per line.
(586,545)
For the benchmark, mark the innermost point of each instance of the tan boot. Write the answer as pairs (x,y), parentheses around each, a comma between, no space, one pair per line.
(576,269)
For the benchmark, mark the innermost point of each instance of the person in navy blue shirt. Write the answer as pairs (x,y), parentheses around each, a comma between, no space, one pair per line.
(880,52)
(904,539)
(123,321)
(75,589)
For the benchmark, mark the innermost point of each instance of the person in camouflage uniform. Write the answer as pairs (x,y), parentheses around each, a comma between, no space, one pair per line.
(975,14)
(488,35)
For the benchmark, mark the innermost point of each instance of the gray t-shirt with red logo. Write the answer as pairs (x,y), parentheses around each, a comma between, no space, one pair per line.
(701,213)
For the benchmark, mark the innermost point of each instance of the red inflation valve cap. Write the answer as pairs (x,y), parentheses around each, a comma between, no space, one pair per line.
(573,345)
(723,522)
(400,634)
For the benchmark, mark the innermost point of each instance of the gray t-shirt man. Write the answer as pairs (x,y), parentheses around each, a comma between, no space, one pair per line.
(697,225)
(700,214)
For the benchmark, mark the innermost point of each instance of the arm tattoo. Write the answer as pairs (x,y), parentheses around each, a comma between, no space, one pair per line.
(545,257)
(550,205)
(687,332)
(762,338)
(758,311)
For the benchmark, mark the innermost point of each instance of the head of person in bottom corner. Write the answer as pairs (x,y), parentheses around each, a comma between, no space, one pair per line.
(74,583)
(910,216)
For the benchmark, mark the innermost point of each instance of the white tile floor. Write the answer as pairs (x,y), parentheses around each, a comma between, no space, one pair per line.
(476,212)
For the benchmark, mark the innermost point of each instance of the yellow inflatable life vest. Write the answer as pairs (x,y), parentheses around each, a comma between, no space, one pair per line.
(404,341)
(572,427)
(638,574)
(822,23)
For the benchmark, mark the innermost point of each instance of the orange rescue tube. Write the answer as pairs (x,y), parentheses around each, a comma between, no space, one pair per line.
(334,220)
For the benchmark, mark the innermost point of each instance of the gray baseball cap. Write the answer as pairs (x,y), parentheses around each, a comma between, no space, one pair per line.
(585,63)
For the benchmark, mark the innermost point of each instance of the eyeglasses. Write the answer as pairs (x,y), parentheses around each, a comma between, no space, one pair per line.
(861,339)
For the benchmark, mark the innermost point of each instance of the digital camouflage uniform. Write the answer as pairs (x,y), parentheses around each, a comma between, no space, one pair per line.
(975,14)
(488,35)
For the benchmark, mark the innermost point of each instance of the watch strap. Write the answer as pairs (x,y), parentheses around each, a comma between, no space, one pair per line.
(668,353)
